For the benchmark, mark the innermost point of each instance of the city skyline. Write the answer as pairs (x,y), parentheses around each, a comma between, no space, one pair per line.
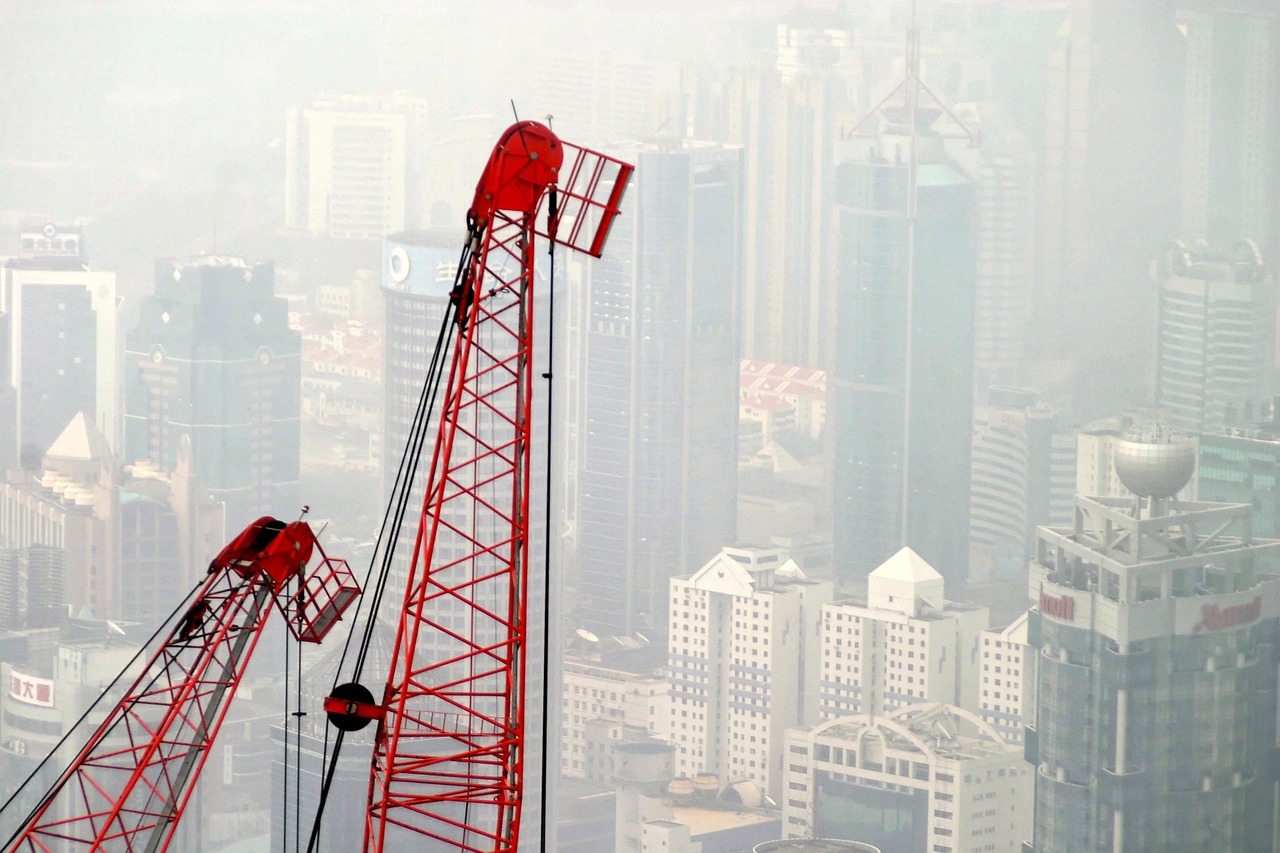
(839,515)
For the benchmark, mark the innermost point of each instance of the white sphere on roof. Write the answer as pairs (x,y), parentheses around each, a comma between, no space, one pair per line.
(1154,460)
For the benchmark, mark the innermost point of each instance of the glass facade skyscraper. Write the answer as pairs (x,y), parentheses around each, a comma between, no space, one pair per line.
(212,357)
(653,383)
(903,397)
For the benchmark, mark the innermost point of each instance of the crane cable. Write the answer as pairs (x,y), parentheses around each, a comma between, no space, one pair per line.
(389,531)
(66,773)
(546,534)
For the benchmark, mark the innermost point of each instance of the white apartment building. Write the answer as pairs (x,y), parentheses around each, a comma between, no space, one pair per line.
(743,662)
(904,644)
(601,703)
(931,778)
(1007,681)
(354,165)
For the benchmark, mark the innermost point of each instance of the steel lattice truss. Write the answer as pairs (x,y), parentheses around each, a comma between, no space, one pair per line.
(448,756)
(127,788)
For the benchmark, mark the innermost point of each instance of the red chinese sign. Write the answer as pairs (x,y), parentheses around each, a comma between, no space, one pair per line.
(32,690)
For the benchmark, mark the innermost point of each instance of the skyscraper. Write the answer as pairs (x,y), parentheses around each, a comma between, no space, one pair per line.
(743,662)
(1109,196)
(213,359)
(354,165)
(1023,475)
(652,387)
(1215,348)
(902,644)
(62,344)
(902,391)
(1156,640)
(1229,142)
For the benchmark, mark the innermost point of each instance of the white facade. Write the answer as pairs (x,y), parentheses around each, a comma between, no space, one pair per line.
(1008,680)
(743,662)
(904,644)
(25,288)
(967,791)
(591,693)
(354,166)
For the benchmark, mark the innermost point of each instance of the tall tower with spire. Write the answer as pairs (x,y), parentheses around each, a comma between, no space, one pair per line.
(905,263)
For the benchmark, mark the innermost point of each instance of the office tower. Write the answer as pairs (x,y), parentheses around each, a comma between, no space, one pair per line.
(1215,349)
(902,391)
(354,165)
(1156,643)
(31,588)
(651,395)
(67,504)
(41,700)
(213,359)
(1241,465)
(1229,142)
(1005,263)
(901,645)
(1109,198)
(743,663)
(1007,681)
(62,344)
(607,697)
(1023,475)
(925,777)
(785,116)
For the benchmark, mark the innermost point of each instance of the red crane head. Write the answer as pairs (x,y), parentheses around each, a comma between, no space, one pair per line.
(525,161)
(528,160)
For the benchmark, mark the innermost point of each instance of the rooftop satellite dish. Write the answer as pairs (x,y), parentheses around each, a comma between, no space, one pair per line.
(115,629)
(587,635)
(642,638)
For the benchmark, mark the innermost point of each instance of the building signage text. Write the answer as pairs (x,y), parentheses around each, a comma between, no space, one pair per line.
(1058,606)
(31,690)
(1214,618)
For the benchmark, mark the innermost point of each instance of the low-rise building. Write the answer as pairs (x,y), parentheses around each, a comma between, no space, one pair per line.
(929,777)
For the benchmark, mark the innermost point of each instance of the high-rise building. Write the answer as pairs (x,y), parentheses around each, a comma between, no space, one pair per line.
(603,702)
(651,395)
(62,344)
(1215,348)
(1005,264)
(925,777)
(1241,465)
(1156,646)
(1229,143)
(901,645)
(1023,475)
(743,660)
(902,390)
(1109,196)
(784,115)
(213,359)
(1007,681)
(354,165)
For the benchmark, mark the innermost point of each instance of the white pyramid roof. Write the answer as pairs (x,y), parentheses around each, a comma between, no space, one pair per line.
(80,441)
(907,565)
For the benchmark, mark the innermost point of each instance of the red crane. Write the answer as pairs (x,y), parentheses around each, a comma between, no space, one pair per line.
(127,788)
(448,758)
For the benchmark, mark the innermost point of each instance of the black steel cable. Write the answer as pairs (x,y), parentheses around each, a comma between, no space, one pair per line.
(392,522)
(64,775)
(546,537)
